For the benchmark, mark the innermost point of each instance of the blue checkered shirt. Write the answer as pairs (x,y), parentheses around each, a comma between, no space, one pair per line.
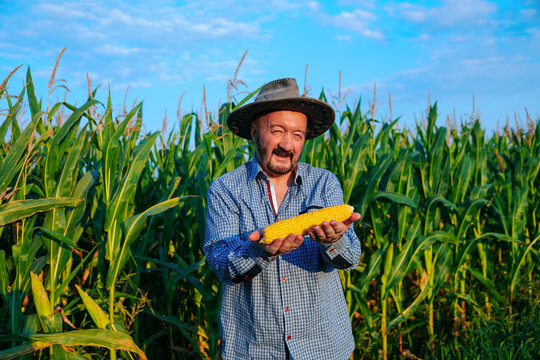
(270,303)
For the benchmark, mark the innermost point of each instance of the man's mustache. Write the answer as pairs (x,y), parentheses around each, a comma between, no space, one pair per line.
(281,152)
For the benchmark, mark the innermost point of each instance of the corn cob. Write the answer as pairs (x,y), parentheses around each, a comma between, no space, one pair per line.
(301,224)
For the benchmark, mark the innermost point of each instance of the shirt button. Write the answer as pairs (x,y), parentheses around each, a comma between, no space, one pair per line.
(288,337)
(286,309)
(284,279)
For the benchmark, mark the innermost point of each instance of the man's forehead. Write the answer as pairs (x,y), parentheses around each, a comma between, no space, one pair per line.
(285,116)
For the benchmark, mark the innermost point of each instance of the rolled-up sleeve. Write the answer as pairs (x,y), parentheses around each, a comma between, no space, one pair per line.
(229,252)
(345,253)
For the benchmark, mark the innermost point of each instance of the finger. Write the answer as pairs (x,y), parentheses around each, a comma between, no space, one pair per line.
(337,226)
(354,217)
(291,238)
(296,242)
(328,229)
(317,233)
(288,244)
(255,236)
(274,246)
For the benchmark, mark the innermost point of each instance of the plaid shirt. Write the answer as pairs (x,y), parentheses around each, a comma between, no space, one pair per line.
(273,302)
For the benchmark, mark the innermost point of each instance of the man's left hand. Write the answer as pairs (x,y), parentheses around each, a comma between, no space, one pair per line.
(330,232)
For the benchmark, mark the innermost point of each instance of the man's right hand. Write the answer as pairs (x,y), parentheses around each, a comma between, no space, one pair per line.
(279,246)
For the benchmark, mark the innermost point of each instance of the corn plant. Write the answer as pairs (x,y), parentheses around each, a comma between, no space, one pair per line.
(102,226)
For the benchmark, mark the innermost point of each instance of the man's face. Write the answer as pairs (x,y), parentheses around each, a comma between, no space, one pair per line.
(279,138)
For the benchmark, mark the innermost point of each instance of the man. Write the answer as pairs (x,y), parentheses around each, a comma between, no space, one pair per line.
(283,300)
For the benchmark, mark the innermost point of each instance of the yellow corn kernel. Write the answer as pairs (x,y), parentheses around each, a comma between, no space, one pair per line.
(301,224)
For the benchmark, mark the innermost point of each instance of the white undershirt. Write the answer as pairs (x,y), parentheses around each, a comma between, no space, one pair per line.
(273,198)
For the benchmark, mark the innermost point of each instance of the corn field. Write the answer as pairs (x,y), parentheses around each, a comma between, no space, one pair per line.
(102,225)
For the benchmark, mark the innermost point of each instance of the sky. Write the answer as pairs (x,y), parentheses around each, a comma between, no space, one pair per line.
(471,56)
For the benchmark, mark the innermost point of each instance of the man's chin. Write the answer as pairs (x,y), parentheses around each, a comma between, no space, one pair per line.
(281,169)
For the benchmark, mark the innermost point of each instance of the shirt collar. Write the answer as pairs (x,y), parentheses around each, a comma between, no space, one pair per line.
(255,170)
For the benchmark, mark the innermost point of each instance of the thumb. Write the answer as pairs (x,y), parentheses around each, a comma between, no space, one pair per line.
(354,217)
(255,236)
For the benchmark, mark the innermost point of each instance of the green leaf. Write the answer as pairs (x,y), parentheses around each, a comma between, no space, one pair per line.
(98,315)
(409,311)
(488,283)
(117,211)
(4,276)
(132,228)
(41,300)
(11,117)
(373,268)
(92,337)
(396,197)
(516,266)
(20,209)
(401,265)
(61,239)
(183,272)
(12,162)
(62,139)
(374,179)
(111,152)
(73,273)
(32,101)
(246,99)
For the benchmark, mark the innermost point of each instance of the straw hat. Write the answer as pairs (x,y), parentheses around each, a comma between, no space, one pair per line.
(282,94)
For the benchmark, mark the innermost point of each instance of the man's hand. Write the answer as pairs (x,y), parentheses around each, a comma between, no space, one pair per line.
(279,246)
(330,232)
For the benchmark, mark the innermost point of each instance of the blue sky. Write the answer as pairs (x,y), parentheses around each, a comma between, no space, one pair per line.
(446,50)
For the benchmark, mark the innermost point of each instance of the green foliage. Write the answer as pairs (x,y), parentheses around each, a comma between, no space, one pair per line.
(101,229)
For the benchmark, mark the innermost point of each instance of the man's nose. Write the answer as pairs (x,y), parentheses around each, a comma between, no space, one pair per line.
(286,142)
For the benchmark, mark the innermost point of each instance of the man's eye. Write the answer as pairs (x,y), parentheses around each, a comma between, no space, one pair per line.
(298,136)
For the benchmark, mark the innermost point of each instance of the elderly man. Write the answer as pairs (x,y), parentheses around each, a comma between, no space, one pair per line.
(283,300)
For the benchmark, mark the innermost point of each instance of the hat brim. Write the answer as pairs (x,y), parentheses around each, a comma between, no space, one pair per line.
(319,114)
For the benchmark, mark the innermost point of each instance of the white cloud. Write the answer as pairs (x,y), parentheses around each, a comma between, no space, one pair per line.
(373,34)
(452,13)
(344,37)
(361,3)
(144,21)
(221,28)
(357,20)
(131,85)
(531,13)
(534,32)
(414,15)
(481,63)
(314,6)
(61,12)
(116,50)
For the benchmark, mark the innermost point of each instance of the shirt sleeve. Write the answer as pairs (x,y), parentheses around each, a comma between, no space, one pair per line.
(345,253)
(230,253)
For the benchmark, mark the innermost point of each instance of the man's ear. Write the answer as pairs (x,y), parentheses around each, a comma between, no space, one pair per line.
(254,131)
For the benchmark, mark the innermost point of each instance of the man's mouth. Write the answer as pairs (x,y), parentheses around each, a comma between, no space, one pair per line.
(282,153)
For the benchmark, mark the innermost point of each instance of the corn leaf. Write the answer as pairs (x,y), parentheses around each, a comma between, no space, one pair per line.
(11,163)
(32,101)
(132,228)
(99,316)
(20,209)
(91,337)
